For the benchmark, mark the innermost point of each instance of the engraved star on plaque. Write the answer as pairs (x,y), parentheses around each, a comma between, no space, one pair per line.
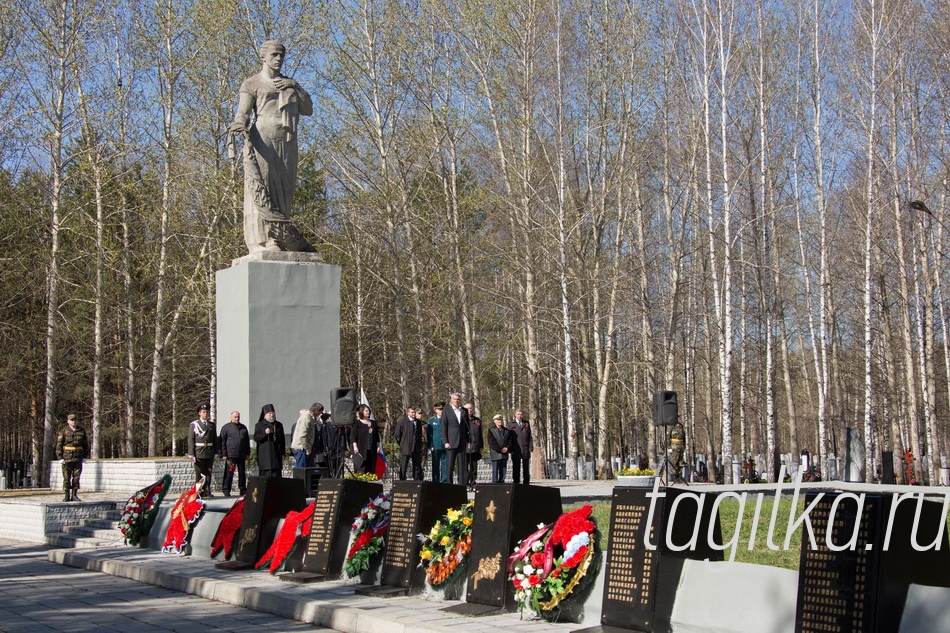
(254,494)
(490,511)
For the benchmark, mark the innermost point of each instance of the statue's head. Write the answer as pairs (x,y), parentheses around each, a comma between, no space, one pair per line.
(272,45)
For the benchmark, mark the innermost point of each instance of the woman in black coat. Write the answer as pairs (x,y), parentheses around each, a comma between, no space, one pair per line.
(269,435)
(365,440)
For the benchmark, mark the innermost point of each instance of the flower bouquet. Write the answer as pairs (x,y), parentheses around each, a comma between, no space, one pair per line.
(361,476)
(140,510)
(626,471)
(367,535)
(445,548)
(554,562)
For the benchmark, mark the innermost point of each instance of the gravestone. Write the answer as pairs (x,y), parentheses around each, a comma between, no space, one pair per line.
(416,506)
(268,500)
(338,502)
(504,514)
(862,588)
(640,582)
(887,467)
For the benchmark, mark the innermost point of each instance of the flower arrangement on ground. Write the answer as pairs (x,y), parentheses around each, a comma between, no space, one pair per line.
(626,471)
(296,525)
(367,535)
(445,548)
(185,514)
(361,476)
(228,529)
(554,562)
(141,509)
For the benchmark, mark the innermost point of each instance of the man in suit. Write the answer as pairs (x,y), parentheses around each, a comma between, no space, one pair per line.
(411,436)
(523,447)
(455,436)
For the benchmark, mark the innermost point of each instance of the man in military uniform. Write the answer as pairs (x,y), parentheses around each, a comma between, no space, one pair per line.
(72,446)
(202,447)
(440,464)
(677,449)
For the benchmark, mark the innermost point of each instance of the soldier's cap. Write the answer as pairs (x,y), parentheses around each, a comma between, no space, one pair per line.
(71,416)
(204,407)
(439,405)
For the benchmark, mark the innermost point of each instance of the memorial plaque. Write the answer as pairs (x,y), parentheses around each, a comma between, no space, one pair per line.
(416,506)
(639,582)
(504,514)
(268,500)
(338,503)
(630,574)
(859,586)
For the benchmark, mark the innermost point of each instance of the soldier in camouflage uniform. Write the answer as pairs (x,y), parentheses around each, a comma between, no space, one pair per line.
(72,447)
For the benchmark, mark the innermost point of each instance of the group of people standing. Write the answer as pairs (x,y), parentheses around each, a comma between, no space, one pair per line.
(454,439)
(314,442)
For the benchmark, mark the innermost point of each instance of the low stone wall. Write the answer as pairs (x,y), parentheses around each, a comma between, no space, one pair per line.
(125,476)
(27,520)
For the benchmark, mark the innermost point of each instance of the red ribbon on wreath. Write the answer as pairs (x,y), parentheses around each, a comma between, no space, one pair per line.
(185,514)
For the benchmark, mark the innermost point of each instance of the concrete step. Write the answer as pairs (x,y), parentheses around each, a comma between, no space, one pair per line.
(112,515)
(101,524)
(91,532)
(64,540)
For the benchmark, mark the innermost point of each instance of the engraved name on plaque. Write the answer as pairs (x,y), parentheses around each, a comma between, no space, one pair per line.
(631,571)
(837,589)
(322,529)
(402,530)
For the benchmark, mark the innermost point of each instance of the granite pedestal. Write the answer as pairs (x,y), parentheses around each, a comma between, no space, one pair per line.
(278,335)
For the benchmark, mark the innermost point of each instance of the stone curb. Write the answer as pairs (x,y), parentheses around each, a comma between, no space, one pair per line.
(313,604)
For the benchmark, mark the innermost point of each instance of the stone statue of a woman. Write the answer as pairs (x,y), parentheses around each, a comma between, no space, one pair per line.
(269,108)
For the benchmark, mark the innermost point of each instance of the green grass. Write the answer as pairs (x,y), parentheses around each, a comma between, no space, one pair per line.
(761,554)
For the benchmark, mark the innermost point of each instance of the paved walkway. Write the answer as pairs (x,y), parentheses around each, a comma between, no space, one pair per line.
(332,604)
(40,596)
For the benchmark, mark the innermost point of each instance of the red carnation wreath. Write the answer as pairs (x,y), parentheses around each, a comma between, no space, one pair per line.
(185,514)
(228,529)
(296,525)
(554,563)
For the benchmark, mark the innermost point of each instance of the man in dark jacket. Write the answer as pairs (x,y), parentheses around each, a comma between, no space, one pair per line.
(235,443)
(455,437)
(202,447)
(72,447)
(523,447)
(271,448)
(411,436)
(475,448)
(501,439)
